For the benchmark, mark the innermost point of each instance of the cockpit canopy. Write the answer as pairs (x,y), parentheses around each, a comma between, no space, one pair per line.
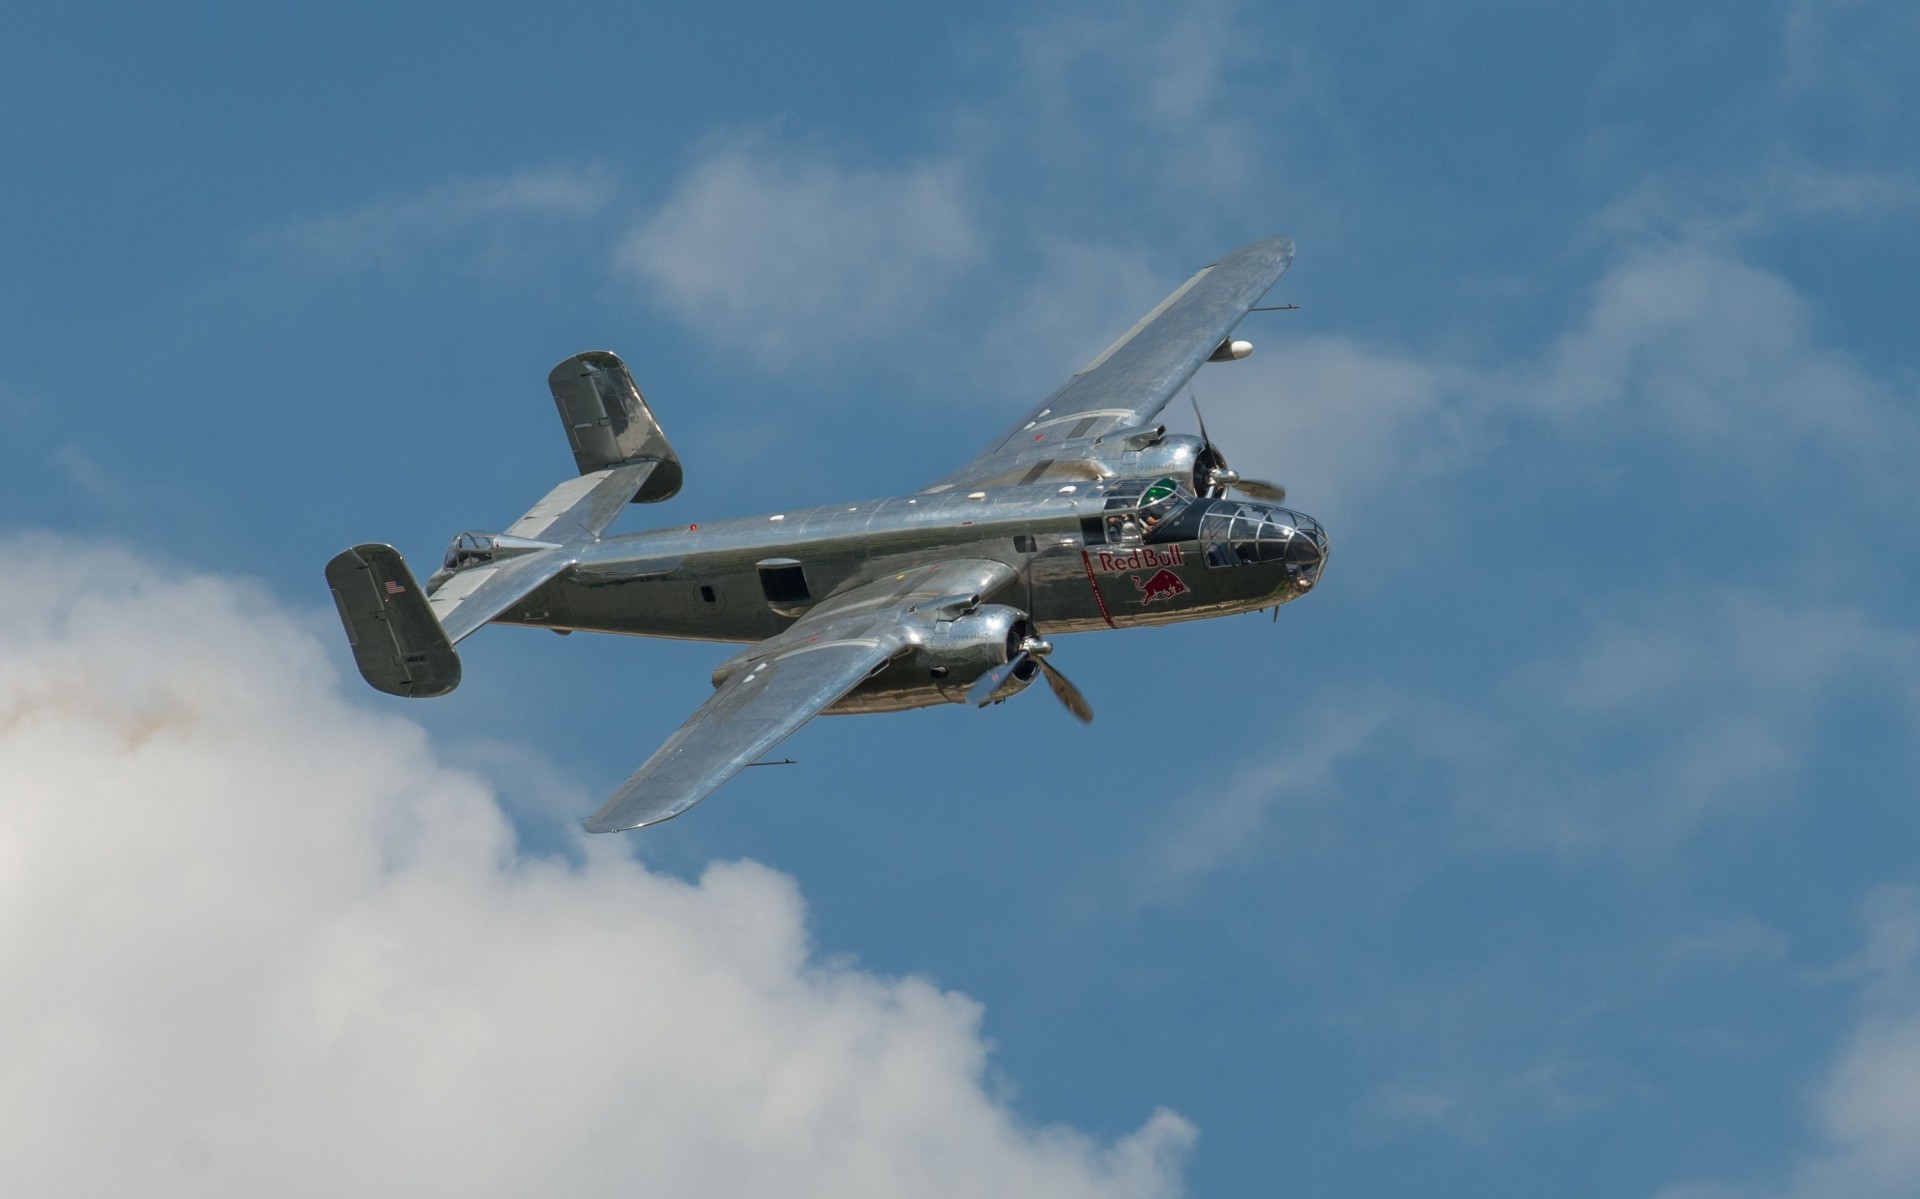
(469,549)
(474,548)
(1137,510)
(1239,533)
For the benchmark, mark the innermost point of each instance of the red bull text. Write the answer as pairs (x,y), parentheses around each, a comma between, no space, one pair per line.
(1146,557)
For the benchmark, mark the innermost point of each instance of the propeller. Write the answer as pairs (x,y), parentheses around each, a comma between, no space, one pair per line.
(1032,648)
(1212,469)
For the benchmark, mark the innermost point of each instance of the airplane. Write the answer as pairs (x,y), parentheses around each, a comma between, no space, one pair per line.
(1084,515)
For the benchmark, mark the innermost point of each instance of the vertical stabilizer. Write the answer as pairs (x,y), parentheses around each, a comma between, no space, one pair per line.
(398,643)
(608,422)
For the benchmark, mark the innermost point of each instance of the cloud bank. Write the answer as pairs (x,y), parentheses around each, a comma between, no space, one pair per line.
(496,220)
(1866,1112)
(789,253)
(257,941)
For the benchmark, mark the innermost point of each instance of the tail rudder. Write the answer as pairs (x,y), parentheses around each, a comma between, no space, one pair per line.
(403,638)
(608,422)
(397,641)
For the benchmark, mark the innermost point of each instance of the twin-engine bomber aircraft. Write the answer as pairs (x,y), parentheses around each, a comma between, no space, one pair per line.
(1085,515)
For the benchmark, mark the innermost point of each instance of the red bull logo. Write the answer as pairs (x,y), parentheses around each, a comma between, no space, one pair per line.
(1163,585)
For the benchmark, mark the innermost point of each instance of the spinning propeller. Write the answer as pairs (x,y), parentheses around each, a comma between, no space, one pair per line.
(1212,475)
(1033,648)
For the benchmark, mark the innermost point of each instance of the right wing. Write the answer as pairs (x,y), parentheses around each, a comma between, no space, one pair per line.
(769,690)
(752,712)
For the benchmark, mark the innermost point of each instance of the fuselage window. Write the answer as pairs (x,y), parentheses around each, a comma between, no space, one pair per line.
(1232,535)
(784,584)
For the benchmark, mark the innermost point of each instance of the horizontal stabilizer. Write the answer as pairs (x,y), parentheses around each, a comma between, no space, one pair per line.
(584,507)
(608,422)
(479,593)
(397,641)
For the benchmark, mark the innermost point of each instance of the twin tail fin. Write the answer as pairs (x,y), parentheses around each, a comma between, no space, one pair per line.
(403,635)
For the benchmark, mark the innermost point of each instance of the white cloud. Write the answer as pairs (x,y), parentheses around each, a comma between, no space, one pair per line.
(498,219)
(1717,210)
(1680,344)
(1866,1113)
(1227,823)
(1719,696)
(1186,105)
(1077,297)
(1857,48)
(1720,693)
(797,253)
(1693,342)
(1336,420)
(1869,1109)
(84,472)
(1478,1110)
(257,941)
(791,254)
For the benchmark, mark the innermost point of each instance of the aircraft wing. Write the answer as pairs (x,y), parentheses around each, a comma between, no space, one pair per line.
(773,688)
(1134,378)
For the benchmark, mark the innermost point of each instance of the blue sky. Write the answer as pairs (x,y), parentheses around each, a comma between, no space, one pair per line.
(1562,842)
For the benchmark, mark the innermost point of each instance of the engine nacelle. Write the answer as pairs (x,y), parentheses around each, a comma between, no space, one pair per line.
(1177,454)
(947,660)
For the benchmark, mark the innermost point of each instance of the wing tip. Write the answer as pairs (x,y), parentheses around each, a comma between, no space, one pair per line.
(1279,245)
(617,816)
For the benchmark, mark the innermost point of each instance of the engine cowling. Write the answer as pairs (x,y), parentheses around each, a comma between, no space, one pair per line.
(1181,455)
(947,660)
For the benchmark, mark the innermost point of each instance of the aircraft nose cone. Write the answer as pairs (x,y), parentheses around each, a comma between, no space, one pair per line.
(1307,555)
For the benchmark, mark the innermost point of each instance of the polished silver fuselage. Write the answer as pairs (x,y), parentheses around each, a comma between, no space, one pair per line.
(708,581)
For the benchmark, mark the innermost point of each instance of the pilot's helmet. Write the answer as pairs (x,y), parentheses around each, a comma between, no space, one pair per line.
(1160,499)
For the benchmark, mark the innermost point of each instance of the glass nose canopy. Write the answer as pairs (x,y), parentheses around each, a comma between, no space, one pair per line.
(1238,533)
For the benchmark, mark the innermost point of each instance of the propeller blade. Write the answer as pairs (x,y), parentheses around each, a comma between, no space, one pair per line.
(1066,692)
(1195,397)
(1260,489)
(981,693)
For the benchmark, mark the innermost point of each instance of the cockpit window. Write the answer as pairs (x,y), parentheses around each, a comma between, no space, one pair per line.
(469,549)
(1240,534)
(1160,503)
(1134,515)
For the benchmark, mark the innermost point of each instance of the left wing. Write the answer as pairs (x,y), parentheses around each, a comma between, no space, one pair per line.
(1127,385)
(768,691)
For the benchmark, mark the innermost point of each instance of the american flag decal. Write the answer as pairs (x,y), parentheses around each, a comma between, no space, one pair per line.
(394,588)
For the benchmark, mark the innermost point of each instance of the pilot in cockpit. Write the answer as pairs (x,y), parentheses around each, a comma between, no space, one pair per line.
(1159,503)
(1131,521)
